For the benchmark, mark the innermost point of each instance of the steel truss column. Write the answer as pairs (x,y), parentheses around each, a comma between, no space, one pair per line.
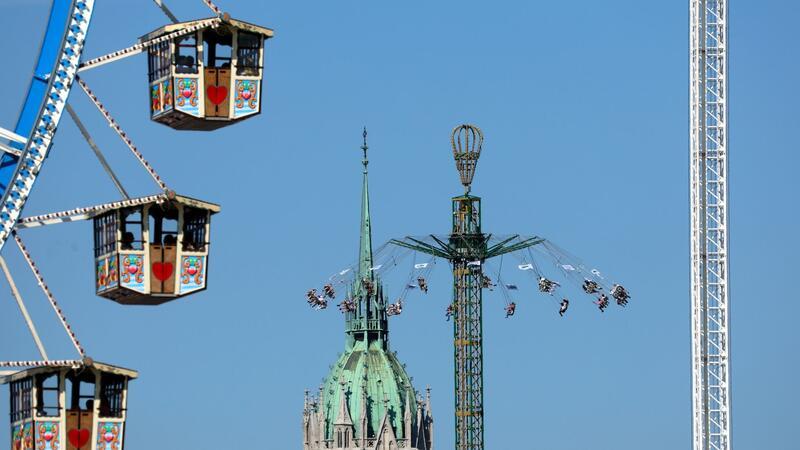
(470,246)
(709,223)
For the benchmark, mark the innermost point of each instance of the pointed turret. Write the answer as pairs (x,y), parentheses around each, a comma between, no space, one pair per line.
(365,243)
(343,417)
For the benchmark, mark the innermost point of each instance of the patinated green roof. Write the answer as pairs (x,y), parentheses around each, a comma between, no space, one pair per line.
(376,373)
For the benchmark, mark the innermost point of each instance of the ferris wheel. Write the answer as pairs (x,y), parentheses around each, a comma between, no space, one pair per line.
(202,75)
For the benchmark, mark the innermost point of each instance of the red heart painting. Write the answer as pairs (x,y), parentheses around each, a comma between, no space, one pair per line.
(162,271)
(78,438)
(217,94)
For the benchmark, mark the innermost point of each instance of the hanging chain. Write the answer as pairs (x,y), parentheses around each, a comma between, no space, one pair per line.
(48,294)
(113,123)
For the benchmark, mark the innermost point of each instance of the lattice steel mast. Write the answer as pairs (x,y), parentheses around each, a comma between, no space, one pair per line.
(467,249)
(709,217)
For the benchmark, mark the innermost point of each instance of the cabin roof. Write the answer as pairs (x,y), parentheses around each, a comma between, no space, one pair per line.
(240,24)
(92,211)
(55,366)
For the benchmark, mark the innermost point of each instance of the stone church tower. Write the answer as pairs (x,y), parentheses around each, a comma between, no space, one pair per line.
(367,400)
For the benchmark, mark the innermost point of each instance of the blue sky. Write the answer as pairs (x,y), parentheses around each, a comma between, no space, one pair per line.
(584,108)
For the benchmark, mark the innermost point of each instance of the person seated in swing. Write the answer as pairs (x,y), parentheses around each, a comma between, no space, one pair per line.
(620,294)
(547,286)
(127,241)
(368,285)
(423,284)
(590,287)
(564,306)
(602,302)
(329,292)
(449,311)
(486,282)
(510,309)
(311,295)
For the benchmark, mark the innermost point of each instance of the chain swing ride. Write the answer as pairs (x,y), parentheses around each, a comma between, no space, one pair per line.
(468,250)
(148,250)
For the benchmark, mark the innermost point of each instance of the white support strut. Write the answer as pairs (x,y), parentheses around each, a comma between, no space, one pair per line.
(213,7)
(85,213)
(711,408)
(18,297)
(52,363)
(49,295)
(140,47)
(113,123)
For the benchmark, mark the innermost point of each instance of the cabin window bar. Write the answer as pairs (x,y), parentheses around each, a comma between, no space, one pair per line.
(159,60)
(248,54)
(217,49)
(186,54)
(48,396)
(80,388)
(21,392)
(132,231)
(194,230)
(112,388)
(105,234)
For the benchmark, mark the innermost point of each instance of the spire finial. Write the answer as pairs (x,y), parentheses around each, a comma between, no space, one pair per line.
(365,147)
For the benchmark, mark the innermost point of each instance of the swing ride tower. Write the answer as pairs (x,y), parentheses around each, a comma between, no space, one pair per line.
(467,249)
(708,92)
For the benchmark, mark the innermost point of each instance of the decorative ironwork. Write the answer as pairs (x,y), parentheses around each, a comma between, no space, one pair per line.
(467,141)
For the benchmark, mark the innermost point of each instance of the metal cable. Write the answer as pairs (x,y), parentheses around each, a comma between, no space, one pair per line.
(48,294)
(113,123)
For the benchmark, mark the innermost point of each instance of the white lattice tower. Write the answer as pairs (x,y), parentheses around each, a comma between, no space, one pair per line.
(709,215)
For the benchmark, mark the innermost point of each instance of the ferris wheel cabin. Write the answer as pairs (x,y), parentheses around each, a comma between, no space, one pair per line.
(153,252)
(209,78)
(67,406)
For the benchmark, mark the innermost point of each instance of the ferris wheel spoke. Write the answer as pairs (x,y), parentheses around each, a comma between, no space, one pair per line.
(97,152)
(113,123)
(213,7)
(49,295)
(138,48)
(50,363)
(18,297)
(166,11)
(85,213)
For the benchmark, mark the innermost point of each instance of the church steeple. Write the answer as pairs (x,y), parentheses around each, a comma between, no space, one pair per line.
(365,244)
(368,322)
(368,400)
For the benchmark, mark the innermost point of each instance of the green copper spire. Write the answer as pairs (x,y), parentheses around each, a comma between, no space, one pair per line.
(365,246)
(368,322)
